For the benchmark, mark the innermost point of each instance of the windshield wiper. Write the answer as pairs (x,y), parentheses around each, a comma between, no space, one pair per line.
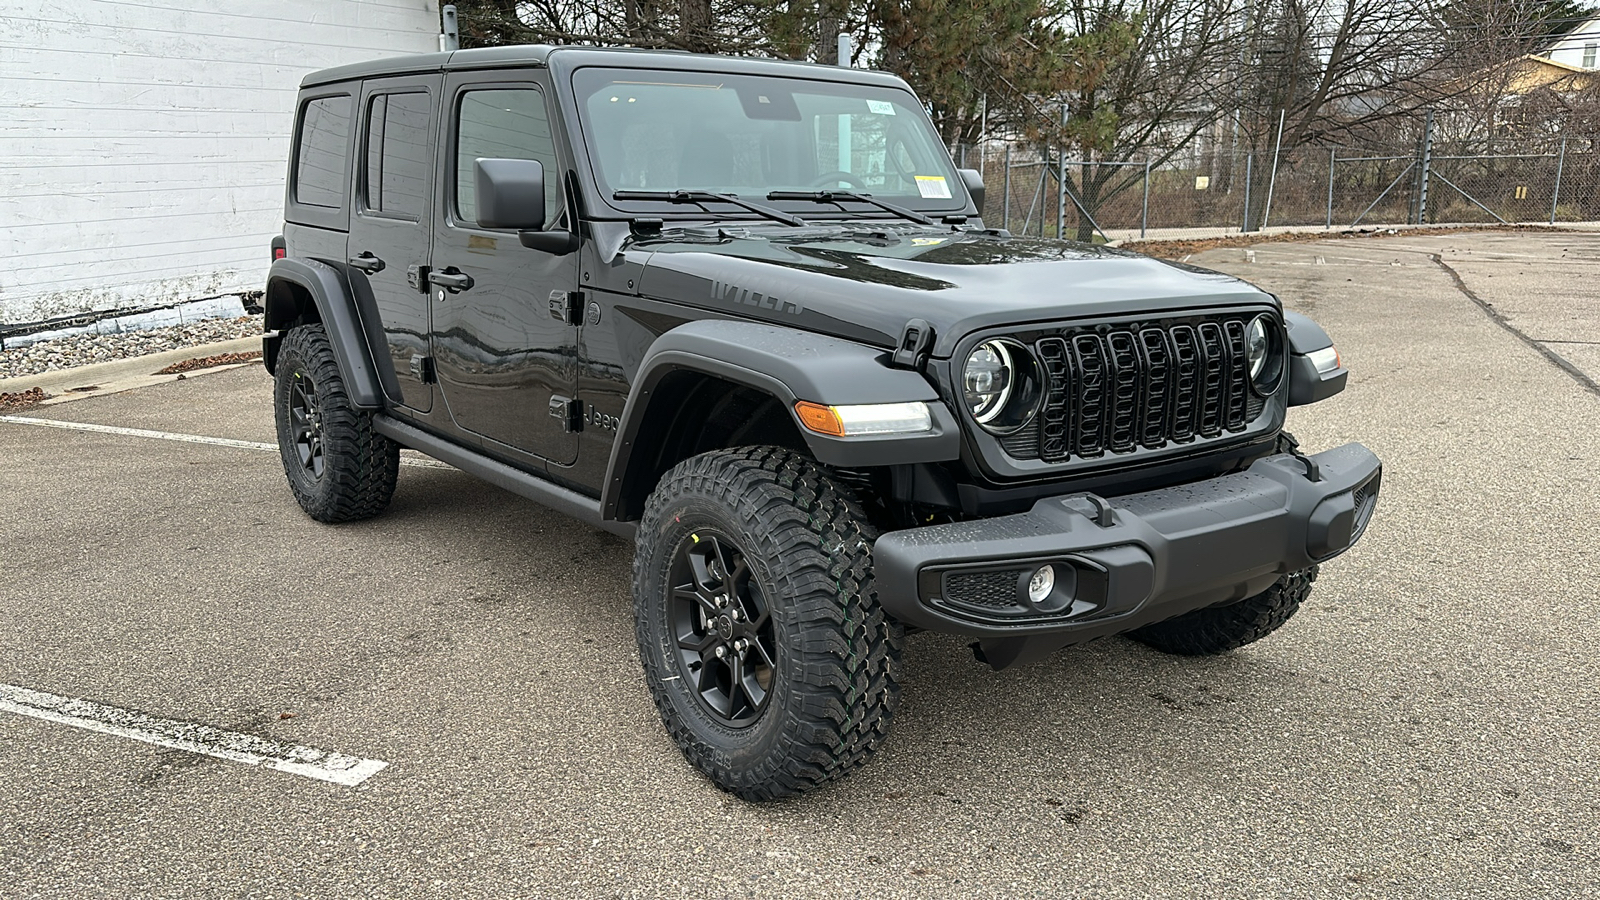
(836,196)
(702,197)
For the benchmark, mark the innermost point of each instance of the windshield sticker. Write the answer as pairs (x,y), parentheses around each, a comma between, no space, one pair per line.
(933,187)
(926,242)
(881,107)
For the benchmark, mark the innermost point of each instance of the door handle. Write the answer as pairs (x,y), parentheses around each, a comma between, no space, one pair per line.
(367,263)
(451,279)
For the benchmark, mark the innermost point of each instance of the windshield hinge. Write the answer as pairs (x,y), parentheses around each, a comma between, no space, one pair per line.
(916,339)
(566,306)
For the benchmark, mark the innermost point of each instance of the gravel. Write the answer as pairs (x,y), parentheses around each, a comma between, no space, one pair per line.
(83,350)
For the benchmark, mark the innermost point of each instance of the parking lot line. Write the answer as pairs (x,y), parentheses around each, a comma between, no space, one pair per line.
(192,737)
(182,438)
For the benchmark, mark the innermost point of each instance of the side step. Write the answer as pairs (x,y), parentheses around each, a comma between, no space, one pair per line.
(540,490)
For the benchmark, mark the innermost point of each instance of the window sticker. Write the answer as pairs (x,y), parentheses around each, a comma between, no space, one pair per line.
(880,107)
(933,187)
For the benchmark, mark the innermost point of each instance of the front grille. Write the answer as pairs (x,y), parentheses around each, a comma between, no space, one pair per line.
(1116,389)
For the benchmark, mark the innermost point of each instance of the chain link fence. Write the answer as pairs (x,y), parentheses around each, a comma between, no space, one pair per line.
(1041,193)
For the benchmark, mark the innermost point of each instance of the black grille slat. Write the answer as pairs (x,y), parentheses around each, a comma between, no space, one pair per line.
(1116,390)
(1213,389)
(1126,374)
(1157,400)
(1089,355)
(1053,435)
(1238,376)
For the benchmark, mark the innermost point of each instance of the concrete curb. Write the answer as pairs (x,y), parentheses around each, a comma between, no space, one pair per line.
(100,379)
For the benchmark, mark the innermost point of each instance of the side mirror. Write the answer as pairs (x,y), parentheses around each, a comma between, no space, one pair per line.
(974,183)
(510,193)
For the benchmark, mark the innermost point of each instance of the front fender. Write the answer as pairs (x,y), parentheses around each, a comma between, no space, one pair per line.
(1306,384)
(790,365)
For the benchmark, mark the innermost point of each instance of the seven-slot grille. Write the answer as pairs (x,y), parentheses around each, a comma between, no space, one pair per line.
(1119,388)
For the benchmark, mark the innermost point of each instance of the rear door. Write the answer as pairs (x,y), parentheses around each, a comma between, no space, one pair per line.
(390,216)
(506,364)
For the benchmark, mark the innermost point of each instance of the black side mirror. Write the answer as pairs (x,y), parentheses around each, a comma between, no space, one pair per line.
(510,193)
(974,183)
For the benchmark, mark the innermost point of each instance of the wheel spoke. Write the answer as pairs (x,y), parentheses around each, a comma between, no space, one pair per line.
(696,643)
(761,649)
(692,594)
(737,688)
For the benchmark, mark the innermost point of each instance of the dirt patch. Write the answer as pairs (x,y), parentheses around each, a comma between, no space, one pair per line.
(1181,249)
(208,362)
(22,400)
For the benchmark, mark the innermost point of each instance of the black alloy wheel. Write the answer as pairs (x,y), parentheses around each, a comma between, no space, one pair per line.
(338,467)
(305,419)
(723,628)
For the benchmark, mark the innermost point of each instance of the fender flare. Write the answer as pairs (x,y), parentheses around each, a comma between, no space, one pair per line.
(337,310)
(1306,385)
(790,365)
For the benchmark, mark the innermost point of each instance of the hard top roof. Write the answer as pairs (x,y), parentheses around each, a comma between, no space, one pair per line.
(571,57)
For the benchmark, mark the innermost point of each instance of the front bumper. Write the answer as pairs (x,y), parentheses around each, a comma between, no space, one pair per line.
(1128,562)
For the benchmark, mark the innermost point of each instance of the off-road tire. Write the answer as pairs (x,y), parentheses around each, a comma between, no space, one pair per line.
(359,466)
(1219,629)
(808,545)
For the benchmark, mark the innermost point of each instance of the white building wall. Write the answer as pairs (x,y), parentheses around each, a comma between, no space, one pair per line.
(1571,49)
(143,143)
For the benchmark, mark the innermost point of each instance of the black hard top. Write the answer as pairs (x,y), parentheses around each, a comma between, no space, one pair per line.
(569,57)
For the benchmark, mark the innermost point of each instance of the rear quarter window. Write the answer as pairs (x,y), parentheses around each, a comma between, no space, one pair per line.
(322,152)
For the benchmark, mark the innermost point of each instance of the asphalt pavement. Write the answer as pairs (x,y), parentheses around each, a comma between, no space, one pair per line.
(1425,727)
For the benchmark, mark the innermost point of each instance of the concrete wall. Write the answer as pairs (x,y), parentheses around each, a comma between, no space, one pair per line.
(143,143)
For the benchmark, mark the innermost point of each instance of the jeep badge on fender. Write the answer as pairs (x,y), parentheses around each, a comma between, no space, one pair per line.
(829,427)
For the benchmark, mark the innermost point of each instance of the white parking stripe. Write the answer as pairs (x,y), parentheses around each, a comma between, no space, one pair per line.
(183,438)
(323,765)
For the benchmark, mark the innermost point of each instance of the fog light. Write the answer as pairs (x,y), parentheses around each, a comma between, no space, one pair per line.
(1041,584)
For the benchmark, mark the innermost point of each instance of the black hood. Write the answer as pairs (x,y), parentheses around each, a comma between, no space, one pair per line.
(864,280)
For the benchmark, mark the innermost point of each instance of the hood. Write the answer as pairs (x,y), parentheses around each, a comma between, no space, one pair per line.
(864,280)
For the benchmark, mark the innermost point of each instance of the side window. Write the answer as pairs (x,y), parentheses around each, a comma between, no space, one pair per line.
(503,124)
(320,168)
(397,159)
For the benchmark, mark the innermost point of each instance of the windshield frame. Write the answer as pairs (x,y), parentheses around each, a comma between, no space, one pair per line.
(608,207)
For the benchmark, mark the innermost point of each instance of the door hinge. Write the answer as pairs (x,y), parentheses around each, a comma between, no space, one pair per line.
(916,339)
(569,411)
(417,277)
(422,369)
(566,306)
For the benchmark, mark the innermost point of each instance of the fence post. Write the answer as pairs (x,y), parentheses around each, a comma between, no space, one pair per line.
(1249,160)
(1333,159)
(1061,193)
(1427,163)
(1006,208)
(1144,212)
(1555,195)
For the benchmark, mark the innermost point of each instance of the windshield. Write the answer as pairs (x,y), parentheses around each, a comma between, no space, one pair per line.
(751,135)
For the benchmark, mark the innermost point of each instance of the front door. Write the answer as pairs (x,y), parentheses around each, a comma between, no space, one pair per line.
(389,225)
(505,363)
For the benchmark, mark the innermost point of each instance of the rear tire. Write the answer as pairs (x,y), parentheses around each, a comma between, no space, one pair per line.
(770,660)
(339,469)
(1219,629)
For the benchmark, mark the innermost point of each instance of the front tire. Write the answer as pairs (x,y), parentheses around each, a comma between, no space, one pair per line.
(1219,629)
(773,666)
(339,469)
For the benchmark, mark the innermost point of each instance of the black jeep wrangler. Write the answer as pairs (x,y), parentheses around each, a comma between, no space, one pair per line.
(747,314)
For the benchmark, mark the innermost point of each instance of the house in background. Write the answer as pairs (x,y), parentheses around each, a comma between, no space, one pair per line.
(1579,47)
(143,147)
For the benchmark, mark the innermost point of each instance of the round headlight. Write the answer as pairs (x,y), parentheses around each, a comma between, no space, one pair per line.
(1264,350)
(1001,385)
(987,380)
